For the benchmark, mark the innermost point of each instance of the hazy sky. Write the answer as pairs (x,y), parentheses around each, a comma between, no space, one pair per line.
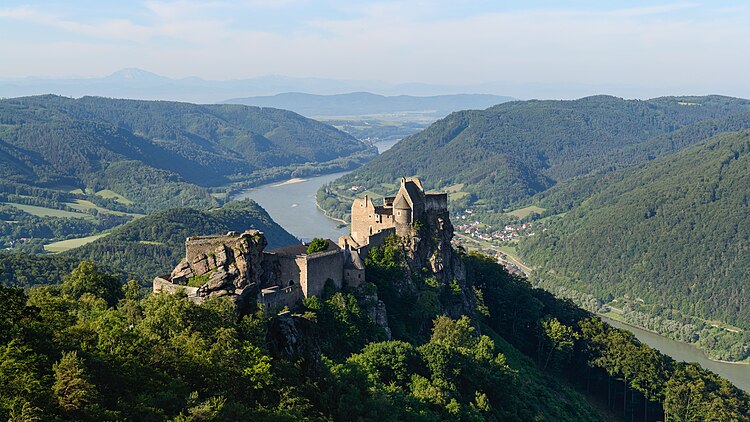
(642,46)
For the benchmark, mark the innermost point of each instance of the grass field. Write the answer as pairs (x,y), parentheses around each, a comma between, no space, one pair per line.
(108,194)
(454,188)
(48,212)
(84,205)
(65,245)
(525,212)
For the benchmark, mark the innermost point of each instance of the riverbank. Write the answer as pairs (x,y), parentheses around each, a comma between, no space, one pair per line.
(329,217)
(608,318)
(292,205)
(290,181)
(516,260)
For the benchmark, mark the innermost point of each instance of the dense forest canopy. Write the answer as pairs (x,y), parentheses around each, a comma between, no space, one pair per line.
(92,349)
(673,233)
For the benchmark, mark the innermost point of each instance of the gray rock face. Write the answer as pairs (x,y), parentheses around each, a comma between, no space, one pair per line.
(232,264)
(380,317)
(294,338)
(429,247)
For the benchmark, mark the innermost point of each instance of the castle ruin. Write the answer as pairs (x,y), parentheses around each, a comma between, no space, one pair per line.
(237,266)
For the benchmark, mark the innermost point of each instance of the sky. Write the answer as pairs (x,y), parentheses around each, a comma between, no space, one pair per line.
(631,48)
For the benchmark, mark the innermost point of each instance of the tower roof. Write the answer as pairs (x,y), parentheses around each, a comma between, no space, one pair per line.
(401,203)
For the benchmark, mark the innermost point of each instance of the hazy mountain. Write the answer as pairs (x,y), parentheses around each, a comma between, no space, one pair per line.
(364,103)
(140,84)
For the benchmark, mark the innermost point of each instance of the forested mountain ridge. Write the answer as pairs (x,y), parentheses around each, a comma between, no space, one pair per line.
(146,247)
(125,145)
(668,238)
(511,151)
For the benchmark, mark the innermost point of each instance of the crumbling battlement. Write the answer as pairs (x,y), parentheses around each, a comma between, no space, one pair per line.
(228,265)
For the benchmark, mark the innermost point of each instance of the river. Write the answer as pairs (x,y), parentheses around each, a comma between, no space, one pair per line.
(292,205)
(739,374)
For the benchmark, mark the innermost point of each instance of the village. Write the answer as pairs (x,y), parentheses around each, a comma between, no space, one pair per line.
(488,233)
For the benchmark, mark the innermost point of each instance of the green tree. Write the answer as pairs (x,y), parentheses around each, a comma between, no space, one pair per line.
(73,388)
(88,278)
(317,245)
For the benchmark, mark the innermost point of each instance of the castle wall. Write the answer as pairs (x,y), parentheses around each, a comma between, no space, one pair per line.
(162,285)
(362,212)
(436,202)
(322,266)
(275,298)
(353,277)
(367,221)
(287,271)
(204,245)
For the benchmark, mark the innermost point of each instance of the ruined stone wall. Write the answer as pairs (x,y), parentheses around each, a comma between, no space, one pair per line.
(320,267)
(286,270)
(362,211)
(353,277)
(436,202)
(205,245)
(233,264)
(366,221)
(277,298)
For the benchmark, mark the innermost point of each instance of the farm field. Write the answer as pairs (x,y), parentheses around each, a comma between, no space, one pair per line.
(65,245)
(525,212)
(48,212)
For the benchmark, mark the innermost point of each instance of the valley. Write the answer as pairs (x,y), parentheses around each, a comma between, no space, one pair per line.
(651,262)
(374,211)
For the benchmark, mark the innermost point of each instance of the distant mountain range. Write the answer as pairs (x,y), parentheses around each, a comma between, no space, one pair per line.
(140,84)
(365,103)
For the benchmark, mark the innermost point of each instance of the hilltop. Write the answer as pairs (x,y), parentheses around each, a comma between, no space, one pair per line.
(146,246)
(463,339)
(490,159)
(76,167)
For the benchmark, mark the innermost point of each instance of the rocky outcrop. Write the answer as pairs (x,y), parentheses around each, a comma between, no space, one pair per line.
(294,338)
(429,249)
(222,265)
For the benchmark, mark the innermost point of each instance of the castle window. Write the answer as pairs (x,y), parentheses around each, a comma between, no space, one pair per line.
(399,212)
(359,275)
(369,216)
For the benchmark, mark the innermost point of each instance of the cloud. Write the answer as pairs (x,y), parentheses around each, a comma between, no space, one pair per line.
(117,29)
(669,45)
